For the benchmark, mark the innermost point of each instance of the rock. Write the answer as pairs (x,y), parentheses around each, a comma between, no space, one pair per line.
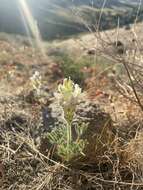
(119,47)
(52,117)
(91,51)
(99,133)
(90,112)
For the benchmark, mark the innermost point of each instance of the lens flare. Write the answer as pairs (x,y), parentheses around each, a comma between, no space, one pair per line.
(31,25)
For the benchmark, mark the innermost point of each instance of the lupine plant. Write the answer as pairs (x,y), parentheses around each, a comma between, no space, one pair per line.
(68,146)
(36,83)
(37,87)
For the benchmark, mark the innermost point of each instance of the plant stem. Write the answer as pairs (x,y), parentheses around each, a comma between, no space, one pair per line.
(132,85)
(69,140)
(68,118)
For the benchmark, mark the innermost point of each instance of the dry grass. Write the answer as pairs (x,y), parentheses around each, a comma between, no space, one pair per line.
(24,166)
(23,163)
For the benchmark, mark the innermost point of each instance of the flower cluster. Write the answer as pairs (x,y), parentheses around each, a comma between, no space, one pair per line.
(68,93)
(36,82)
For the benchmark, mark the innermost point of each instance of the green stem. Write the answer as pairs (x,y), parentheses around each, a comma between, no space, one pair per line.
(69,118)
(69,140)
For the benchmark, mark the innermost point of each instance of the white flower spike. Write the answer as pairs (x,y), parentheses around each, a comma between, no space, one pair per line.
(68,93)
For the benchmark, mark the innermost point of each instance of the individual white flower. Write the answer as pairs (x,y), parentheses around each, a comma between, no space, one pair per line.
(35,76)
(77,91)
(58,96)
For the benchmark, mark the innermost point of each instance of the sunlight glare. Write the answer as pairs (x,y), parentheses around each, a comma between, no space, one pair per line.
(32,25)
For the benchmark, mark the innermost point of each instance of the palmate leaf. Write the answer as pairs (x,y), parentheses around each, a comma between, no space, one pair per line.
(59,137)
(75,149)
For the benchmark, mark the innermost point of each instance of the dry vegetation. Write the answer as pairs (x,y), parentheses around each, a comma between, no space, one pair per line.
(112,80)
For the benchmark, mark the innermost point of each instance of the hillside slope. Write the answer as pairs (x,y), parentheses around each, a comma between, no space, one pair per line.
(61,18)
